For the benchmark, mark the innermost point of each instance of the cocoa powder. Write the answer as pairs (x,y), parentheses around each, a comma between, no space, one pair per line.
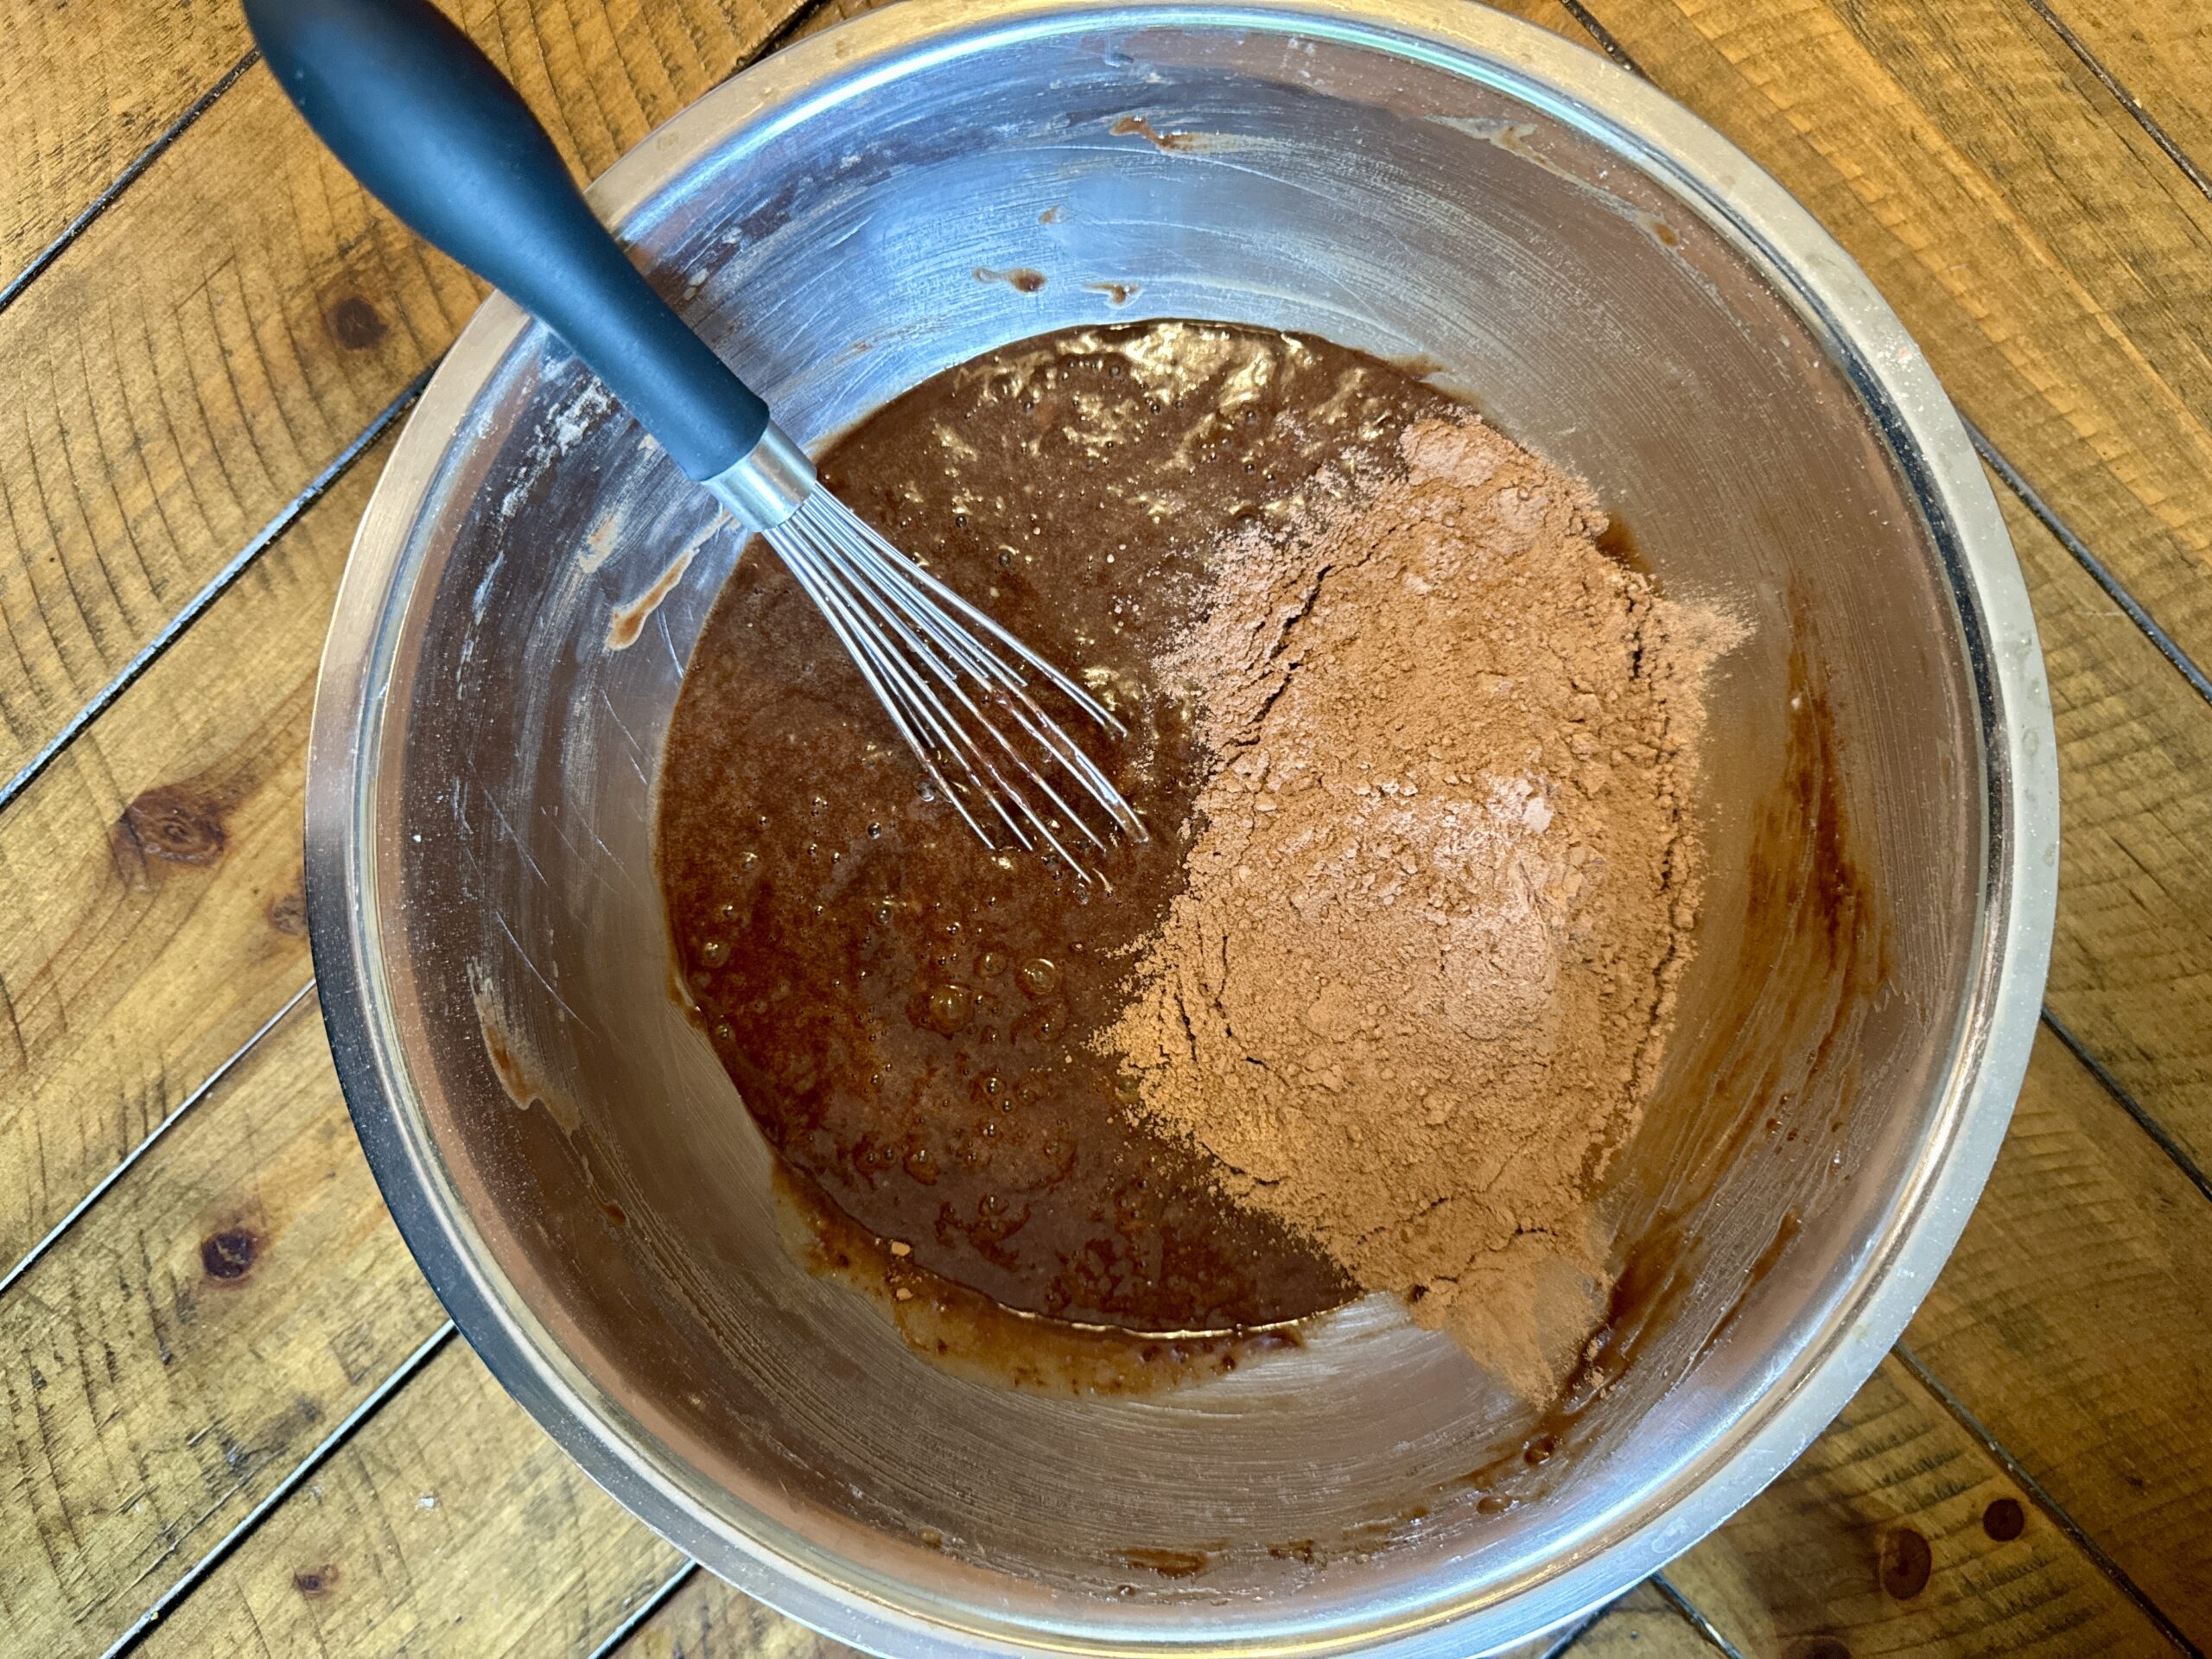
(1415,992)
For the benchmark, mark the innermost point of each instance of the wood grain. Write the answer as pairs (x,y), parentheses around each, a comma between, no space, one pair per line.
(2055,272)
(205,348)
(2131,966)
(2158,54)
(1859,1493)
(708,1619)
(447,1523)
(165,1368)
(828,14)
(2074,1321)
(2054,1368)
(239,1140)
(2086,1269)
(84,90)
(1879,1539)
(2057,1370)
(152,880)
(1641,1624)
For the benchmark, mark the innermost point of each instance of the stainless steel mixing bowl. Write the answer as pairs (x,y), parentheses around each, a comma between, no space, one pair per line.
(1432,181)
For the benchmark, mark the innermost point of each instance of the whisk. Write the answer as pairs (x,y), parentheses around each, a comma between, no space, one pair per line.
(425,120)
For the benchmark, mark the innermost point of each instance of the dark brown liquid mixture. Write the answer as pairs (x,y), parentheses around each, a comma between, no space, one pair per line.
(907,1016)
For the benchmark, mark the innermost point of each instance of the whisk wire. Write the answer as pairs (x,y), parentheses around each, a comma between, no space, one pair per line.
(914,588)
(959,741)
(898,564)
(881,676)
(955,739)
(903,628)
(947,733)
(1040,731)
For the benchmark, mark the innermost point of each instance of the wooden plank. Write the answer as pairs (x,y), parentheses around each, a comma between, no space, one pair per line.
(2080,1186)
(1893,1534)
(151,878)
(2131,968)
(2074,1322)
(1808,1553)
(168,1363)
(84,90)
(2022,1327)
(708,1619)
(2087,1270)
(828,14)
(133,972)
(207,346)
(315,1285)
(2054,274)
(240,1293)
(448,1522)
(2131,974)
(1641,1624)
(2159,53)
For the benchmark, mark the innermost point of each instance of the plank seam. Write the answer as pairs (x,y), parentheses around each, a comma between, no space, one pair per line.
(2014,480)
(2129,1103)
(2048,516)
(217,587)
(2126,99)
(1603,36)
(1690,1610)
(793,26)
(130,1639)
(645,1609)
(316,487)
(2053,1510)
(123,180)
(77,1210)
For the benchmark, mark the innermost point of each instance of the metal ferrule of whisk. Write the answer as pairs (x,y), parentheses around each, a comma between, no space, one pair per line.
(950,679)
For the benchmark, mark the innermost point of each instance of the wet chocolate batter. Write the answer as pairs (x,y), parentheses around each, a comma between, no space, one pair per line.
(907,1016)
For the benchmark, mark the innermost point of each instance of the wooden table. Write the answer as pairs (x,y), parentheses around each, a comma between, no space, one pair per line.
(238,1421)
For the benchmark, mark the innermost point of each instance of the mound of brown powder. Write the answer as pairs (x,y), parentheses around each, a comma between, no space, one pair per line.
(1416,991)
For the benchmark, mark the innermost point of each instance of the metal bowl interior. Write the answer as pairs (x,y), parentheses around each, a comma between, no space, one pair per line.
(1614,286)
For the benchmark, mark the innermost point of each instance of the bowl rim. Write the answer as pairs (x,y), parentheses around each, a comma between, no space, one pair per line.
(1997,1021)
